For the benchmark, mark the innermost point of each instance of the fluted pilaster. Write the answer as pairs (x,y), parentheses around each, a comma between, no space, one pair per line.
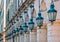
(26,37)
(42,34)
(33,35)
(54,32)
(22,38)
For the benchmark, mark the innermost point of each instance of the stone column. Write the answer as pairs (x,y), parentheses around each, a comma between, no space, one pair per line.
(53,33)
(42,34)
(14,39)
(26,37)
(22,38)
(33,35)
(8,40)
(18,38)
(11,39)
(5,40)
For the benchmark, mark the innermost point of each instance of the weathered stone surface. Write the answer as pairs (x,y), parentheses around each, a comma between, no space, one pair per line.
(53,33)
(33,36)
(41,35)
(21,38)
(26,37)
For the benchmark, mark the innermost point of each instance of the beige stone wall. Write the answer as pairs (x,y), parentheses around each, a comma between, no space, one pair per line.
(26,37)
(42,35)
(53,33)
(33,36)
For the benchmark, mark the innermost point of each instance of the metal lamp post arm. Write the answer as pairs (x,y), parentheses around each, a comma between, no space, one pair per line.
(39,5)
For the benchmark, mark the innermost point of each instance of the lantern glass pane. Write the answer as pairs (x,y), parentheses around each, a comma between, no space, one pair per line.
(52,16)
(25,29)
(55,14)
(31,26)
(39,22)
(21,31)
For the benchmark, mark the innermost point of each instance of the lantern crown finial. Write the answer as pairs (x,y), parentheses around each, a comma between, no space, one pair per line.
(52,5)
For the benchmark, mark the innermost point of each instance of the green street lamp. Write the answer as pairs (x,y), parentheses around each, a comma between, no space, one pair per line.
(25,26)
(39,19)
(21,30)
(52,13)
(31,23)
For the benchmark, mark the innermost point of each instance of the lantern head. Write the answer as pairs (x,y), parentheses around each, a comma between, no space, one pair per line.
(39,20)
(52,13)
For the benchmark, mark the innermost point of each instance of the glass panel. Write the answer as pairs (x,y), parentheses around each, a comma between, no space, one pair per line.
(40,22)
(31,26)
(52,16)
(55,14)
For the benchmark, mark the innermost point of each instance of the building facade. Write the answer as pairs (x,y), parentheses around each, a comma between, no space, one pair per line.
(1,20)
(20,14)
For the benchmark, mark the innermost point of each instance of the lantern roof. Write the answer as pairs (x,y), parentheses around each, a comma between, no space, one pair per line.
(25,11)
(25,25)
(20,28)
(39,16)
(31,21)
(20,16)
(32,5)
(52,8)
(14,31)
